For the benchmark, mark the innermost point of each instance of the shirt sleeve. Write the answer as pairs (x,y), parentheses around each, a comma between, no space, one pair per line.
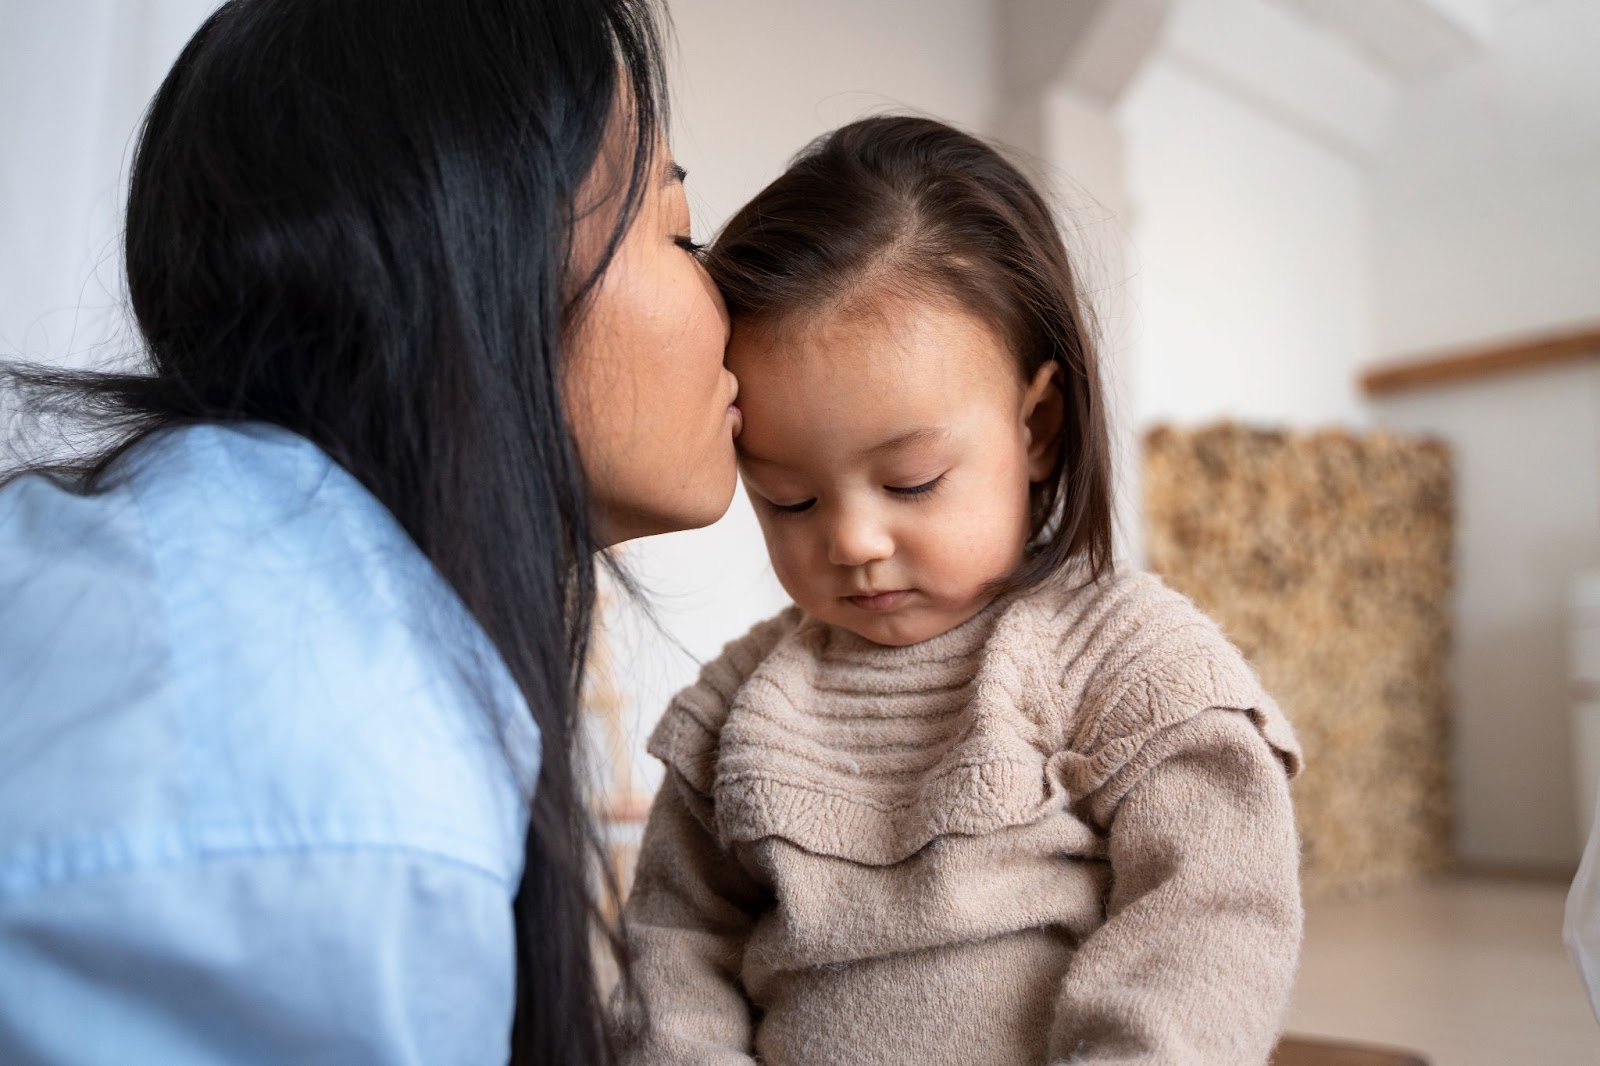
(318,956)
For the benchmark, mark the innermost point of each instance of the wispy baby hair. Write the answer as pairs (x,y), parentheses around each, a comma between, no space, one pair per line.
(906,207)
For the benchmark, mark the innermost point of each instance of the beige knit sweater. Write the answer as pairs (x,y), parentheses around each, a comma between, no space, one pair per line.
(1058,833)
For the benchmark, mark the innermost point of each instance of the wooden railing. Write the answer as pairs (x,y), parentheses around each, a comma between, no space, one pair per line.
(1403,374)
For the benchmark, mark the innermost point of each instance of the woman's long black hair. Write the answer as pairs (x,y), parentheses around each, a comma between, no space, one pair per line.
(354,219)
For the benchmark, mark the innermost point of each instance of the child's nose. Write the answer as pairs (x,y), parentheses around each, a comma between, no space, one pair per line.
(856,540)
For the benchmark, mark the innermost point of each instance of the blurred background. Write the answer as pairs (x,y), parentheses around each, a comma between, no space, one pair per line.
(1345,261)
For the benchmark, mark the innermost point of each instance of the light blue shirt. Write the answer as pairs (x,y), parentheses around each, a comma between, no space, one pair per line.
(263,781)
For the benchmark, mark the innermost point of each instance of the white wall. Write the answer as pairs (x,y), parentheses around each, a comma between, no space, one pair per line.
(1487,213)
(754,83)
(1311,191)
(74,81)
(1252,252)
(1246,137)
(1487,196)
(1527,464)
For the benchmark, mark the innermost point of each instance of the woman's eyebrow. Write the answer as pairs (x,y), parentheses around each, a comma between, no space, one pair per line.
(675,174)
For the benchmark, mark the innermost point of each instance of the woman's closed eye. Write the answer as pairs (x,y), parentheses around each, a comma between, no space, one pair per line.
(691,246)
(792,508)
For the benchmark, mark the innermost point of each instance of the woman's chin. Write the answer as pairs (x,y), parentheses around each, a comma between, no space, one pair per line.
(711,504)
(709,514)
(694,509)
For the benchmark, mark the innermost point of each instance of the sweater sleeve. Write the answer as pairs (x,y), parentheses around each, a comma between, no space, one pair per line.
(690,912)
(693,905)
(1196,959)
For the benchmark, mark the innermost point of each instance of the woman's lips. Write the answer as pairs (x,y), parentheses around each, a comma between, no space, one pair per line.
(734,413)
(880,601)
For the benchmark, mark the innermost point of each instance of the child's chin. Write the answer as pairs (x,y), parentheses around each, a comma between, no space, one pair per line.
(895,632)
(911,624)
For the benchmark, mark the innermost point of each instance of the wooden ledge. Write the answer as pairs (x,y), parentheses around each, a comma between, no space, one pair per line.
(1567,346)
(1311,1051)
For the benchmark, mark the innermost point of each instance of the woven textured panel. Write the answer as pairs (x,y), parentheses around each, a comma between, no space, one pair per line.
(1327,559)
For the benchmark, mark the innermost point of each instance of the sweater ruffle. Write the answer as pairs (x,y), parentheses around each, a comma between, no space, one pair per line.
(866,753)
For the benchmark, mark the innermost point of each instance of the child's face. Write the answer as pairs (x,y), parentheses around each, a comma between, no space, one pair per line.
(889,456)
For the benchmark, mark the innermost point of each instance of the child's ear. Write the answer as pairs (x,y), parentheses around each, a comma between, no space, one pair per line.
(1043,409)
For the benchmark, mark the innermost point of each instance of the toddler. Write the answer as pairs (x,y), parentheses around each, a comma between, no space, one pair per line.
(979,798)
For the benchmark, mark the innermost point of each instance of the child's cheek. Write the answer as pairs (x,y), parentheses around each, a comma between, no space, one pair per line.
(791,562)
(981,544)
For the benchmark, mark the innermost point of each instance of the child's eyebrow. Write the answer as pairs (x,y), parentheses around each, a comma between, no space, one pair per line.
(924,435)
(746,457)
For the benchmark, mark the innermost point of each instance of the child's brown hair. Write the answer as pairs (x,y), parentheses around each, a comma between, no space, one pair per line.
(911,207)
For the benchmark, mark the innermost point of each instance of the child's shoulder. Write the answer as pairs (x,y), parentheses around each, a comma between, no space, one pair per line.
(739,657)
(687,735)
(1128,619)
(1128,656)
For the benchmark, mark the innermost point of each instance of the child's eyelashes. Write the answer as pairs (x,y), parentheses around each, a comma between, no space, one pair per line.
(911,492)
(916,490)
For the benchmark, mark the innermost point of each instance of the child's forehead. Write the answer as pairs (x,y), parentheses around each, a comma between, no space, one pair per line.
(886,342)
(876,444)
(842,399)
(869,384)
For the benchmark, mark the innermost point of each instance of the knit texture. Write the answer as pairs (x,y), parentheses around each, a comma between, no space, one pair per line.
(1060,832)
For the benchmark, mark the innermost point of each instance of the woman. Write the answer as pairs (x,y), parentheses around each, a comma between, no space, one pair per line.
(426,331)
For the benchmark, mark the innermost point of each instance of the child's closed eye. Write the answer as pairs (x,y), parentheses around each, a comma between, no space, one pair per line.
(916,490)
(920,491)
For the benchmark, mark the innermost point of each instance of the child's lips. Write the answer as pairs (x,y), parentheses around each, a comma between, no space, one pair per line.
(880,601)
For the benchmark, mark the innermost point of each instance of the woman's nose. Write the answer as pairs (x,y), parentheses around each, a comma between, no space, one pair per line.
(855,540)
